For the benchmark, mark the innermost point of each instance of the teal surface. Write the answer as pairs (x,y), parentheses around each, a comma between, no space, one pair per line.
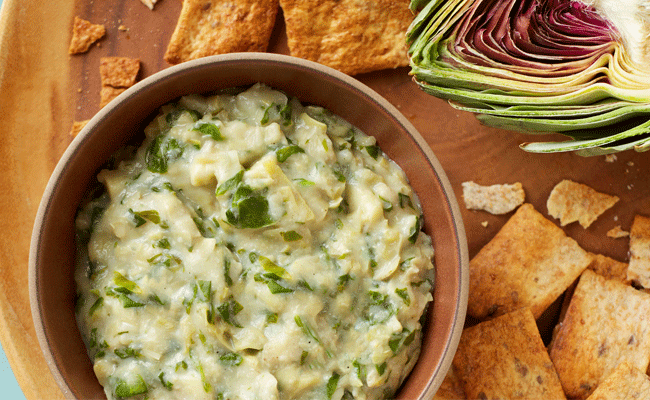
(8,383)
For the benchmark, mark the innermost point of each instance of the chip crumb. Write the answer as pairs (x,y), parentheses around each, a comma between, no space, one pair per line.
(630,164)
(77,126)
(349,35)
(639,267)
(495,199)
(485,224)
(570,201)
(149,3)
(610,158)
(606,323)
(219,27)
(119,72)
(624,383)
(84,34)
(617,232)
(122,28)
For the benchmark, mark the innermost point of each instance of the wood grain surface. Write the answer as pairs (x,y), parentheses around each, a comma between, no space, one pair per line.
(43,90)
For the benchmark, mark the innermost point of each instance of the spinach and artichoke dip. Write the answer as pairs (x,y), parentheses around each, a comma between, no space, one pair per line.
(252,248)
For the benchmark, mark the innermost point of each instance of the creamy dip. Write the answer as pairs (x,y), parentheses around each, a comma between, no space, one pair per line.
(252,248)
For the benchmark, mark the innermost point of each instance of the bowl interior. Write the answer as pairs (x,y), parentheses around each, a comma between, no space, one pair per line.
(52,288)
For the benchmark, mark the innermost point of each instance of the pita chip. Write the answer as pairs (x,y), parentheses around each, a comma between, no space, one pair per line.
(107,94)
(639,267)
(495,199)
(609,268)
(84,34)
(77,126)
(606,324)
(209,27)
(505,358)
(625,383)
(570,201)
(530,262)
(349,35)
(119,72)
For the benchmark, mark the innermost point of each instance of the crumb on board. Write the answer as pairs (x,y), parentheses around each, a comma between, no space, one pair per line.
(84,34)
(149,3)
(495,199)
(610,158)
(617,232)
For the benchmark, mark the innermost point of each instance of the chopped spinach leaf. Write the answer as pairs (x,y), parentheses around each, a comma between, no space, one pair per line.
(231,359)
(283,153)
(124,389)
(211,130)
(167,384)
(332,384)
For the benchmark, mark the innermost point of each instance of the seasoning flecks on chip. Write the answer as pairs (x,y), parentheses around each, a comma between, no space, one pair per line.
(349,35)
(210,27)
(84,34)
(505,358)
(571,201)
(529,263)
(606,323)
(639,267)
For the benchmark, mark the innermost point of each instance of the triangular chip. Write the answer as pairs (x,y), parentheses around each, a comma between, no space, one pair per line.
(505,358)
(349,35)
(570,201)
(606,323)
(529,263)
(639,268)
(625,383)
(84,33)
(209,27)
(495,199)
(108,93)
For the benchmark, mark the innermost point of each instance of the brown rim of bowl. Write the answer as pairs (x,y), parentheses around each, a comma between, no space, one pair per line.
(451,334)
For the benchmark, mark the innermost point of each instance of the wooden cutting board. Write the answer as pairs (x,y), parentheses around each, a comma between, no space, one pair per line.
(43,89)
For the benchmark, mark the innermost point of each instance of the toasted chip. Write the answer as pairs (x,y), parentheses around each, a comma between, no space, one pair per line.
(108,93)
(77,126)
(84,33)
(505,358)
(639,268)
(617,232)
(209,27)
(495,199)
(570,201)
(609,268)
(119,72)
(606,323)
(529,263)
(349,35)
(451,388)
(625,383)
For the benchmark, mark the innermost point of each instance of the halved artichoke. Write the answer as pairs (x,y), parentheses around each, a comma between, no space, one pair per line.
(541,66)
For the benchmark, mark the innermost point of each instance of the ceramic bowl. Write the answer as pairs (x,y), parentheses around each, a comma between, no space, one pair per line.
(51,264)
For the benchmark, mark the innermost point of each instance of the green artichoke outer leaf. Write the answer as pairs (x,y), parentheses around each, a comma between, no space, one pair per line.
(540,66)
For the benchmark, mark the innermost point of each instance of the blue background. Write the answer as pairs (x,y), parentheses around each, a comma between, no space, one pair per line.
(8,383)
